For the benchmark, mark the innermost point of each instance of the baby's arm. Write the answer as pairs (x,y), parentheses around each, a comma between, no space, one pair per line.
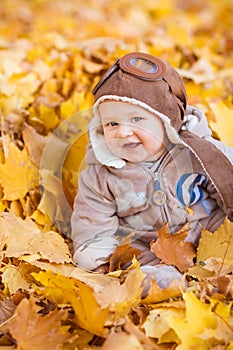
(93,222)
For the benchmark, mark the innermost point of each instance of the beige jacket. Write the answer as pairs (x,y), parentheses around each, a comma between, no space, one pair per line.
(114,200)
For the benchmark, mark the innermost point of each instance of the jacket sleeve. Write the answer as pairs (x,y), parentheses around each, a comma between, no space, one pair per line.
(94,220)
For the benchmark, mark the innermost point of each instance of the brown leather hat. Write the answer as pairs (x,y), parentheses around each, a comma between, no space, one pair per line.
(147,79)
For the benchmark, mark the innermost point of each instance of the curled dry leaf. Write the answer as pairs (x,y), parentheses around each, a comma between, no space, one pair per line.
(172,249)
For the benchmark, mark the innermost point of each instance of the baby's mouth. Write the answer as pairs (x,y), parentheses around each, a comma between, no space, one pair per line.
(131,145)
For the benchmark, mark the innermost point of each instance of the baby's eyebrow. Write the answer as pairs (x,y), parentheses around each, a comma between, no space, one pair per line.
(135,114)
(106,119)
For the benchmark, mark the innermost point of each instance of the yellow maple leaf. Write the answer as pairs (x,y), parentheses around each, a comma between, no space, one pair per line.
(217,245)
(224,330)
(156,325)
(223,125)
(48,117)
(30,240)
(33,331)
(64,290)
(199,317)
(18,174)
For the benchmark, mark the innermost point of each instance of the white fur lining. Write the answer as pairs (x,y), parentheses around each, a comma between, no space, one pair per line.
(97,139)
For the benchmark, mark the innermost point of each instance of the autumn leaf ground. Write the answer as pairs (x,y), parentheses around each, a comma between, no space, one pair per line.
(51,55)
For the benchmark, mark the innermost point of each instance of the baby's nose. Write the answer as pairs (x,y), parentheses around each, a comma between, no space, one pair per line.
(124,130)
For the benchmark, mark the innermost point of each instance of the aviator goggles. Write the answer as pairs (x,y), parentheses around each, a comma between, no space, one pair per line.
(141,65)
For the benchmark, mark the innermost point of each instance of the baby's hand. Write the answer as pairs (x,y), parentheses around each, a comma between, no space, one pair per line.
(102,268)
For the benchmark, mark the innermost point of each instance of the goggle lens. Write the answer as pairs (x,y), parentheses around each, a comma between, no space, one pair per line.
(144,65)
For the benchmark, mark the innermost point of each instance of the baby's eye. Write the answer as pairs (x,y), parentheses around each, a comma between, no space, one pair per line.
(112,124)
(137,119)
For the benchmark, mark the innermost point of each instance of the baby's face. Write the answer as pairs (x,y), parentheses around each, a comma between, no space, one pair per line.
(132,132)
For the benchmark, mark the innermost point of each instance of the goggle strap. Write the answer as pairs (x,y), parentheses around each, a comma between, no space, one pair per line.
(108,73)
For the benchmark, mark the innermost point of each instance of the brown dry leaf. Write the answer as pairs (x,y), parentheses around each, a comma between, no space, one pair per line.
(7,308)
(34,332)
(172,249)
(225,284)
(34,142)
(123,254)
(23,237)
(18,174)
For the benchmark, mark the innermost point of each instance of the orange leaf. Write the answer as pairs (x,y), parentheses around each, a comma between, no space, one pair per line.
(172,249)
(123,254)
(156,294)
(33,331)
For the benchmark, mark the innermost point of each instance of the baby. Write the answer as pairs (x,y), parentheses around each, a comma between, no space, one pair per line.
(150,160)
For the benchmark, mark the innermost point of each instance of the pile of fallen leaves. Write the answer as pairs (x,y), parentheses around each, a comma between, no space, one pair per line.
(52,53)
